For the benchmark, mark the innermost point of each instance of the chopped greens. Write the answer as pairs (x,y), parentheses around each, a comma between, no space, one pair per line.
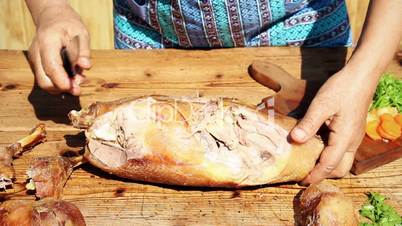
(388,93)
(379,213)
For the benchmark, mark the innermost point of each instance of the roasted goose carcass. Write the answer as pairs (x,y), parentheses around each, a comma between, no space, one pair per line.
(194,141)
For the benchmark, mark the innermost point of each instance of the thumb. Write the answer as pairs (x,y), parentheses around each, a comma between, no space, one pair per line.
(316,115)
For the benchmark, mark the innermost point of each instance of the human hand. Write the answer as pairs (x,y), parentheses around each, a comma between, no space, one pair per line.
(342,104)
(56,26)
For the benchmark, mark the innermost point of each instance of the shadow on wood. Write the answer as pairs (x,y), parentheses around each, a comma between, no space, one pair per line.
(75,140)
(236,191)
(293,96)
(334,60)
(296,207)
(52,107)
(313,59)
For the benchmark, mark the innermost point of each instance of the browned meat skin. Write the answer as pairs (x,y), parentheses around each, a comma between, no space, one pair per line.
(325,204)
(7,174)
(49,175)
(42,213)
(6,168)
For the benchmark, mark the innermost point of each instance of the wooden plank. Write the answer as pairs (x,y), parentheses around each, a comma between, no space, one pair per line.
(97,16)
(107,200)
(16,26)
(17,29)
(217,73)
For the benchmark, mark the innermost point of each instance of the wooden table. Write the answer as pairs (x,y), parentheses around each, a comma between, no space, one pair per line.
(107,200)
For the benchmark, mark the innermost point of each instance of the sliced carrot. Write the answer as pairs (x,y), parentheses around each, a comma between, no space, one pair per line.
(385,135)
(398,118)
(371,129)
(391,127)
(386,117)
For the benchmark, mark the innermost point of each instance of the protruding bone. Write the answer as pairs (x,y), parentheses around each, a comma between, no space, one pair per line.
(7,173)
(36,136)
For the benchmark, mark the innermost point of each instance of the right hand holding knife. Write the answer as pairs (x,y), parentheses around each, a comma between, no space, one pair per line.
(58,39)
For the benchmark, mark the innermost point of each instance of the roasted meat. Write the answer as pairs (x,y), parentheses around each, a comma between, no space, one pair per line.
(48,175)
(7,174)
(194,141)
(42,213)
(325,204)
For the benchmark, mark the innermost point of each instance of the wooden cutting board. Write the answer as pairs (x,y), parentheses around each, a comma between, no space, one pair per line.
(107,200)
(293,97)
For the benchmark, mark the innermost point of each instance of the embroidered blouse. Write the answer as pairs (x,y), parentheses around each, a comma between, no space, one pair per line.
(230,23)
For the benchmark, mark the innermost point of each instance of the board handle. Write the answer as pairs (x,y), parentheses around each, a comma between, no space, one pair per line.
(275,77)
(289,90)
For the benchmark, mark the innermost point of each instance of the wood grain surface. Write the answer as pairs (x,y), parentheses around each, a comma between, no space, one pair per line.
(17,28)
(107,200)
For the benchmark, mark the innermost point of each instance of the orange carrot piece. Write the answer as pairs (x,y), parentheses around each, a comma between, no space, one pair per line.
(385,135)
(391,127)
(398,118)
(371,130)
(386,117)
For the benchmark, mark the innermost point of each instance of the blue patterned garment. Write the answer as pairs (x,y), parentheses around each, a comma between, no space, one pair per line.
(230,23)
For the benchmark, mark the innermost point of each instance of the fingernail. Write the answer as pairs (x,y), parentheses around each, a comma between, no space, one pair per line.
(305,181)
(84,62)
(299,134)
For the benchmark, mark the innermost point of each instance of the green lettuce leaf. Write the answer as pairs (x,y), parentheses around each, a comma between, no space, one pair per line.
(388,93)
(379,213)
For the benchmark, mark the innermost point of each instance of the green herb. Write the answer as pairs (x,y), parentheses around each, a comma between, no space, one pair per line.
(388,93)
(379,213)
